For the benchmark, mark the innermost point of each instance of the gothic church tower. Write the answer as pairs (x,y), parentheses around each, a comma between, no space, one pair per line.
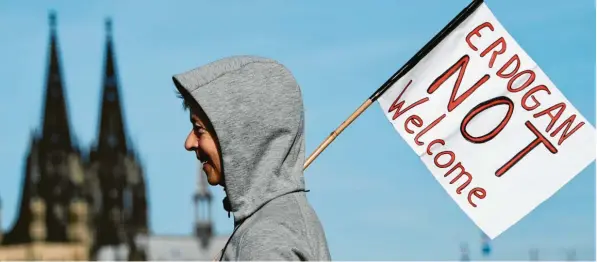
(122,203)
(54,175)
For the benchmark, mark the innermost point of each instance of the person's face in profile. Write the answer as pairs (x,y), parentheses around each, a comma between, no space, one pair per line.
(202,140)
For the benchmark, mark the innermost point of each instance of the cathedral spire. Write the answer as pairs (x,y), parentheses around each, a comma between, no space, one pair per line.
(56,131)
(111,132)
(203,219)
(202,188)
(108,27)
(202,198)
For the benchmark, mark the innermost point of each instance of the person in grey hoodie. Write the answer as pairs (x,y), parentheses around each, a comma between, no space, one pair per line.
(248,131)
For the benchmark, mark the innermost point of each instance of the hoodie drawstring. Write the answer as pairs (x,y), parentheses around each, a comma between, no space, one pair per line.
(227,205)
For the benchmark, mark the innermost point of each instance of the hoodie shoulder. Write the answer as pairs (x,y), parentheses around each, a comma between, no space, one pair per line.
(284,229)
(262,241)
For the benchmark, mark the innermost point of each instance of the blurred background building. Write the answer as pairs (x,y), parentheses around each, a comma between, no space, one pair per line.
(80,203)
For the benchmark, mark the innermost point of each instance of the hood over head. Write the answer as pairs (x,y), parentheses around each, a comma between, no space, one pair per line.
(255,106)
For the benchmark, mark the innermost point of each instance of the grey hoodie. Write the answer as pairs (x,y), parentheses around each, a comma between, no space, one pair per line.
(256,109)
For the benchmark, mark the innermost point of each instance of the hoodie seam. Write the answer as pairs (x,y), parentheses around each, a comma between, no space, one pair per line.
(301,124)
(240,243)
(232,71)
(304,219)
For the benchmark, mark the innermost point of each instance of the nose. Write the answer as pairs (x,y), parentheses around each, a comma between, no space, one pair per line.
(191,143)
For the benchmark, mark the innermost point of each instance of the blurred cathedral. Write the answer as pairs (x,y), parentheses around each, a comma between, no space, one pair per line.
(92,205)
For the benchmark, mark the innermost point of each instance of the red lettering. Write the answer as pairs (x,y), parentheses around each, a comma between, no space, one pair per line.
(436,141)
(479,192)
(540,139)
(530,94)
(398,105)
(501,100)
(460,66)
(565,134)
(476,32)
(560,106)
(527,83)
(502,43)
(462,173)
(426,129)
(507,65)
(415,120)
(449,153)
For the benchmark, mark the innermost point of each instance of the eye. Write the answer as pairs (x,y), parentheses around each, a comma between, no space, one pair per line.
(198,129)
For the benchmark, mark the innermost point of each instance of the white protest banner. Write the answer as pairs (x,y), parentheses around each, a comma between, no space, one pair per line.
(487,122)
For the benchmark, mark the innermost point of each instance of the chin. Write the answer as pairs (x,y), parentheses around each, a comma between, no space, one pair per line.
(213,180)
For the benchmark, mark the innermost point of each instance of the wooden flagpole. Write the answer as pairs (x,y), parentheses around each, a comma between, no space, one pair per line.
(456,21)
(337,132)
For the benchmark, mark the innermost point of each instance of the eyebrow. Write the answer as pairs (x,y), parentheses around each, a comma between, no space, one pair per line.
(193,122)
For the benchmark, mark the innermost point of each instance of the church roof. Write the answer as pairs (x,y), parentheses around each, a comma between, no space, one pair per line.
(183,248)
(171,248)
